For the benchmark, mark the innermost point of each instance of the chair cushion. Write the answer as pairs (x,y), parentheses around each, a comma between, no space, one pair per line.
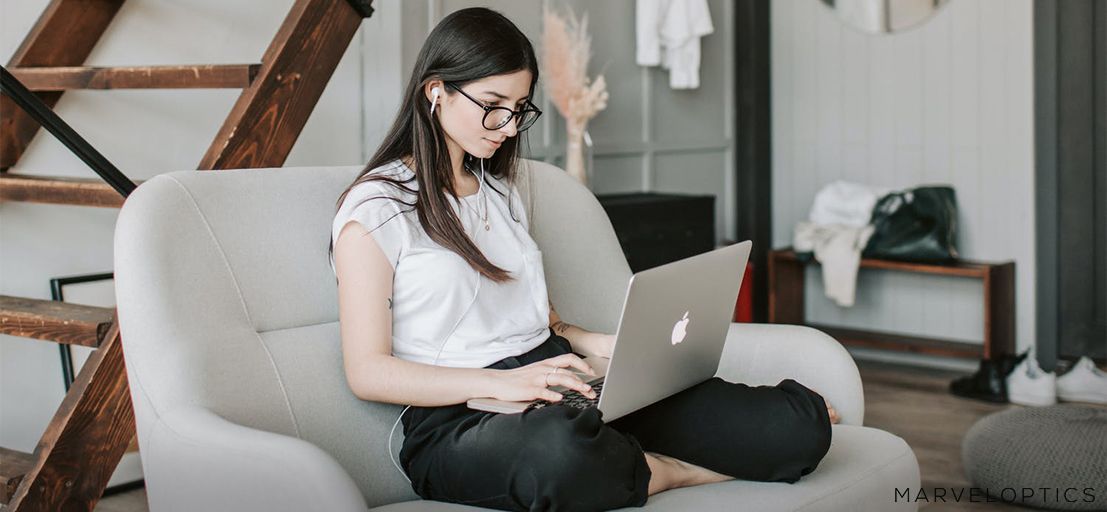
(860,472)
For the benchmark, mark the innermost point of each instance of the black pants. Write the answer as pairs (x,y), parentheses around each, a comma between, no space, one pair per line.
(563,458)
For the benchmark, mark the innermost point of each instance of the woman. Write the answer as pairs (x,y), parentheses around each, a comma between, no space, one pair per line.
(446,301)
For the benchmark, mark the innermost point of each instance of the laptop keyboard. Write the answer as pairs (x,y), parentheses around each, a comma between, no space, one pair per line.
(572,398)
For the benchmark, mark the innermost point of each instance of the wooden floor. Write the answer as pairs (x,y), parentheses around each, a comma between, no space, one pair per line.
(915,404)
(911,402)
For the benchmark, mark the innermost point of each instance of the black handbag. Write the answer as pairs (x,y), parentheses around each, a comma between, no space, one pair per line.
(918,224)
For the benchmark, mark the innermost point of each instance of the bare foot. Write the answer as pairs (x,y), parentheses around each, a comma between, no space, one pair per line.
(671,473)
(834,418)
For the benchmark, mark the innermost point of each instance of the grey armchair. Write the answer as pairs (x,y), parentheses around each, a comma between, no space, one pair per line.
(228,311)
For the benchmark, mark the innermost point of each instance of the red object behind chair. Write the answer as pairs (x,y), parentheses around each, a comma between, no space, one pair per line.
(743,309)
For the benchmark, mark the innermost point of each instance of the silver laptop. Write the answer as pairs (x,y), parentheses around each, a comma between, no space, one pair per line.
(671,333)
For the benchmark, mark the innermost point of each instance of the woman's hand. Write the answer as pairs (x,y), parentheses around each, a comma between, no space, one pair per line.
(531,382)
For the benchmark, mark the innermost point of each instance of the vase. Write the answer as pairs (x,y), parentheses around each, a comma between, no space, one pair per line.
(574,154)
(589,167)
(578,155)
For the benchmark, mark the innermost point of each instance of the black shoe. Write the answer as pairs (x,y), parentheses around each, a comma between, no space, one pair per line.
(1007,364)
(989,383)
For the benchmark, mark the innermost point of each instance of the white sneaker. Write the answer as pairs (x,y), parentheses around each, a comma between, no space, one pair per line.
(1083,383)
(1029,385)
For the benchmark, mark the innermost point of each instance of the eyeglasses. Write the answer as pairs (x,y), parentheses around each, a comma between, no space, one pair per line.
(497,117)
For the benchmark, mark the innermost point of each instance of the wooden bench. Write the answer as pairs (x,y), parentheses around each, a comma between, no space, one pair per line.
(786,305)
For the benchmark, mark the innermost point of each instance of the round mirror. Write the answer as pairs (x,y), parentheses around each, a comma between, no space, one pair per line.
(884,16)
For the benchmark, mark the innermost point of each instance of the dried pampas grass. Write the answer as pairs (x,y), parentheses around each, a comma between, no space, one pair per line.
(566,50)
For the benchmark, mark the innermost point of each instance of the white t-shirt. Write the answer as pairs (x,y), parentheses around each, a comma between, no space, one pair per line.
(434,288)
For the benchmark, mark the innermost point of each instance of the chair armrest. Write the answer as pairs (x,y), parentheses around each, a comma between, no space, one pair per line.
(758,354)
(196,460)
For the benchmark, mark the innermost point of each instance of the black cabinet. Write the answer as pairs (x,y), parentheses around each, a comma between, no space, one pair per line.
(655,229)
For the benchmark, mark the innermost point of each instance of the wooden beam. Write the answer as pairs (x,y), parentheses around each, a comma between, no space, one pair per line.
(13,466)
(82,22)
(205,76)
(269,115)
(86,438)
(59,190)
(51,320)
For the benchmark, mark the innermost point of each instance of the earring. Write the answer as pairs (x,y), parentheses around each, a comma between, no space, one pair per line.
(434,99)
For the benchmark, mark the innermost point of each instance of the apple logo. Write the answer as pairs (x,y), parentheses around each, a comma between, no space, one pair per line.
(680,329)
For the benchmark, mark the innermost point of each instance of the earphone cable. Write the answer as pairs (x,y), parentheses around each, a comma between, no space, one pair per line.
(441,346)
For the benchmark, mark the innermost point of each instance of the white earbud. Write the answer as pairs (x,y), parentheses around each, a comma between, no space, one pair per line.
(434,98)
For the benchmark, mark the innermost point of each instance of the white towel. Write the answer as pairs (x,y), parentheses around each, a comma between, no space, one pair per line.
(838,248)
(842,202)
(837,232)
(668,34)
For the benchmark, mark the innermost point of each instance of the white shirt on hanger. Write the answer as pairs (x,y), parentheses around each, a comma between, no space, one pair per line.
(668,34)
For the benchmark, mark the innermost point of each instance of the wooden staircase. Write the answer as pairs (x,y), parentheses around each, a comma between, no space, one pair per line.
(94,425)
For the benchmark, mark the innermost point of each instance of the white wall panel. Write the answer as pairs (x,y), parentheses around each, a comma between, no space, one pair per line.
(950,101)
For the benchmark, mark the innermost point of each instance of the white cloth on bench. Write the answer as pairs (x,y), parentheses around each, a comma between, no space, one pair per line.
(838,248)
(837,231)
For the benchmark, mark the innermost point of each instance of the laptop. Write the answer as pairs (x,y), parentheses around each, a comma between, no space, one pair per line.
(670,337)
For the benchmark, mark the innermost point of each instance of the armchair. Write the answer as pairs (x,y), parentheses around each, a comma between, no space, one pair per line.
(229,320)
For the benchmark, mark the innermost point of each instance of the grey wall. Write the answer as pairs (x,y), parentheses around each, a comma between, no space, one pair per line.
(950,102)
(650,137)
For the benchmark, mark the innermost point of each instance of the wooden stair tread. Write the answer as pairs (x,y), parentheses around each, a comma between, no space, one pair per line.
(13,465)
(63,36)
(59,190)
(51,320)
(201,76)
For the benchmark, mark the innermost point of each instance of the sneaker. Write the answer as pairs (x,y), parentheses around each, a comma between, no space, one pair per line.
(989,381)
(1029,385)
(1083,383)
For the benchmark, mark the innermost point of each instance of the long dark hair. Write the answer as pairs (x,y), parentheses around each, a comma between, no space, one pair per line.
(467,45)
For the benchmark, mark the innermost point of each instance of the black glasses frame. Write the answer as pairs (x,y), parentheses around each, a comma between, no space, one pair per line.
(515,114)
